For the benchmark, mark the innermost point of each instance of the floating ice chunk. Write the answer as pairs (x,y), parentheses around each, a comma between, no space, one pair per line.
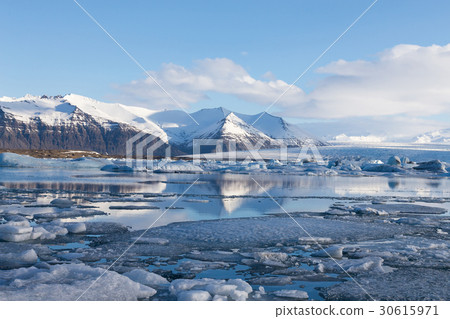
(16,160)
(69,282)
(241,285)
(15,220)
(394,161)
(55,229)
(75,228)
(369,211)
(406,160)
(385,209)
(186,284)
(17,260)
(258,294)
(239,295)
(271,258)
(221,289)
(236,289)
(274,163)
(15,231)
(293,294)
(349,167)
(344,165)
(382,168)
(367,264)
(146,278)
(435,166)
(194,295)
(41,233)
(333,252)
(62,203)
(178,167)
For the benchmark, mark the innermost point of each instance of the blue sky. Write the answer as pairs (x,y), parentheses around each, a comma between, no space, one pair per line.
(51,47)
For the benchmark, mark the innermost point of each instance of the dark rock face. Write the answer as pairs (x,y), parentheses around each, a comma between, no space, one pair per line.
(80,132)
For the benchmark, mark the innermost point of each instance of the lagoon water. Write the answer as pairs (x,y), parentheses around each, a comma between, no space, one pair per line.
(213,196)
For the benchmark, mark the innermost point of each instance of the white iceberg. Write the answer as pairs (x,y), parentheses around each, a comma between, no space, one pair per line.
(146,278)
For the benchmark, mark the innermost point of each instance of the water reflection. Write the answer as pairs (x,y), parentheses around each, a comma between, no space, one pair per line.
(393,183)
(435,183)
(214,196)
(83,188)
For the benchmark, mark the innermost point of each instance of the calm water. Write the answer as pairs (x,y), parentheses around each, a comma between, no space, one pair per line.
(214,196)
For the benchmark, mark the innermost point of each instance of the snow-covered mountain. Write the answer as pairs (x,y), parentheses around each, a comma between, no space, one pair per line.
(59,110)
(81,123)
(232,129)
(72,122)
(181,128)
(276,127)
(436,137)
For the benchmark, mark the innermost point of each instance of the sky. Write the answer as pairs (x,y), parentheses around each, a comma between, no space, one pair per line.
(388,76)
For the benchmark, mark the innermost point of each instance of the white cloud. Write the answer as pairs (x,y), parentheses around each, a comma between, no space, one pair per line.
(269,76)
(188,86)
(407,79)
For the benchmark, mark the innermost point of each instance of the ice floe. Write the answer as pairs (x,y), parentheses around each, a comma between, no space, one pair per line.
(69,282)
(367,264)
(18,260)
(435,166)
(291,294)
(146,278)
(332,252)
(16,160)
(193,289)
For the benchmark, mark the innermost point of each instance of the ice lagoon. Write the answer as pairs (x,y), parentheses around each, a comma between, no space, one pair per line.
(226,238)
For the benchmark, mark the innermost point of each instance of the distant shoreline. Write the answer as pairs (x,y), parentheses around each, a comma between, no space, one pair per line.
(57,153)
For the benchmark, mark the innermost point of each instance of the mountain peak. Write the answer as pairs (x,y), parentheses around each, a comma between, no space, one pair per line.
(27,97)
(233,117)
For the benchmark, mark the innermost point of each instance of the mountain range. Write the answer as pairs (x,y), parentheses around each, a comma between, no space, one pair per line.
(435,137)
(80,123)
